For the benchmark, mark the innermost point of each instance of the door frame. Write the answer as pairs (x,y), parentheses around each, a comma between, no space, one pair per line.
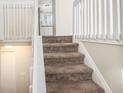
(54,16)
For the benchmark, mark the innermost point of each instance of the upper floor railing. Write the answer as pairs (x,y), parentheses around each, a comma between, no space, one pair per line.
(98,20)
(16,20)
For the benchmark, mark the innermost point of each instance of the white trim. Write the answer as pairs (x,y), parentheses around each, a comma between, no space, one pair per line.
(18,2)
(14,41)
(7,51)
(110,42)
(97,76)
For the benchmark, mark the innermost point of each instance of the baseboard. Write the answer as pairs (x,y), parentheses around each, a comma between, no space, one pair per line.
(97,76)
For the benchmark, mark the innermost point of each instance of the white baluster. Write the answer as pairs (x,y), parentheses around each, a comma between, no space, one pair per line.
(97,33)
(92,18)
(88,17)
(93,35)
(76,22)
(89,14)
(8,20)
(100,19)
(14,20)
(85,26)
(108,19)
(96,19)
(82,27)
(78,7)
(118,35)
(111,20)
(105,18)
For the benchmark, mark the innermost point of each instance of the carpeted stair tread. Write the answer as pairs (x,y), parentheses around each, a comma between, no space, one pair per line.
(74,87)
(57,39)
(79,72)
(60,44)
(63,58)
(60,47)
(68,69)
(62,55)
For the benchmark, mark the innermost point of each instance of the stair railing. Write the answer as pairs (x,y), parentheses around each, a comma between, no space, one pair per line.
(16,21)
(38,69)
(98,20)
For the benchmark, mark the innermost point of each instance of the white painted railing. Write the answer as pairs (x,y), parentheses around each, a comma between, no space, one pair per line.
(38,72)
(98,20)
(16,20)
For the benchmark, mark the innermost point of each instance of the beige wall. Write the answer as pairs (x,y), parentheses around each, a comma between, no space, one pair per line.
(108,59)
(23,61)
(64,17)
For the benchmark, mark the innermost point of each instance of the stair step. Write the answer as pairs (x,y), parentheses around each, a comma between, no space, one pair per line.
(60,47)
(63,58)
(78,72)
(64,68)
(57,39)
(74,87)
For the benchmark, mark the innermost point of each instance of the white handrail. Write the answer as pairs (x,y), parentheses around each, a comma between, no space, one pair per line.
(38,84)
(38,81)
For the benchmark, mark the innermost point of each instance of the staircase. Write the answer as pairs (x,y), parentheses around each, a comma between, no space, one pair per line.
(65,71)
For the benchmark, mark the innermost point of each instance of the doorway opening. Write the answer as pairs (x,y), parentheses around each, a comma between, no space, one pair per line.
(47,17)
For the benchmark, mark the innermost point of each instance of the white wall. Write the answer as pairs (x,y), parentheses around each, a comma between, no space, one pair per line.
(23,55)
(109,60)
(64,17)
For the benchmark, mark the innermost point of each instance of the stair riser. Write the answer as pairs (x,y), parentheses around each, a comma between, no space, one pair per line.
(62,61)
(62,49)
(61,39)
(68,77)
